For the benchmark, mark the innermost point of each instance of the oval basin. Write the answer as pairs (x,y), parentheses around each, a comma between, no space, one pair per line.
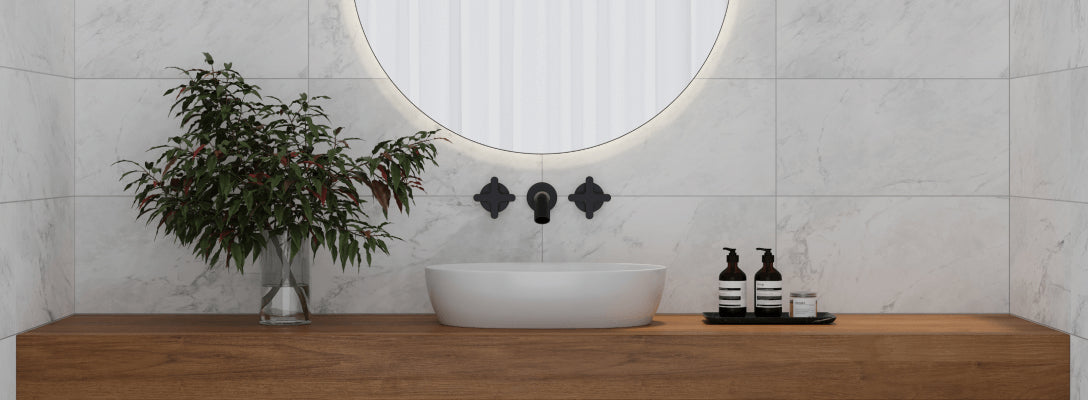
(545,295)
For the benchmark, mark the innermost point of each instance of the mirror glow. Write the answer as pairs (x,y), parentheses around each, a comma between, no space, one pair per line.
(541,76)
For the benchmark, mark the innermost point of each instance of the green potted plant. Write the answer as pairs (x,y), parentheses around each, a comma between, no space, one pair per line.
(256,178)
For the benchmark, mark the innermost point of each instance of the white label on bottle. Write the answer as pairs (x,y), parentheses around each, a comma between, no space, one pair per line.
(731,294)
(803,307)
(768,293)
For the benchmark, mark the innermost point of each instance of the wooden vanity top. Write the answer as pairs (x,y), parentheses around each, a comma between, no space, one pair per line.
(413,357)
(426,324)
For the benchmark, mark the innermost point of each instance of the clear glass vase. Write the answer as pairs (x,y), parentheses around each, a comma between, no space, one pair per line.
(285,299)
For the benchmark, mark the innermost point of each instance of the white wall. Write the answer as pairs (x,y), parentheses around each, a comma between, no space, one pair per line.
(36,171)
(1049,241)
(868,142)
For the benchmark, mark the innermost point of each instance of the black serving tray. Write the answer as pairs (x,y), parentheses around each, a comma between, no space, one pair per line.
(822,318)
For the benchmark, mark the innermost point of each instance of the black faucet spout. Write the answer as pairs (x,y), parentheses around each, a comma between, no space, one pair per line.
(542,214)
(542,198)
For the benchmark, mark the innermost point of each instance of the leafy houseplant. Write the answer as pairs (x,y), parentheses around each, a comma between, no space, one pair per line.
(251,171)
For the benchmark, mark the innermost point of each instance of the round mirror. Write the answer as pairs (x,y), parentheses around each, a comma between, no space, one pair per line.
(541,76)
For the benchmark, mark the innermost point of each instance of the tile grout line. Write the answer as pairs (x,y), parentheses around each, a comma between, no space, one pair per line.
(774,224)
(75,156)
(724,196)
(1009,241)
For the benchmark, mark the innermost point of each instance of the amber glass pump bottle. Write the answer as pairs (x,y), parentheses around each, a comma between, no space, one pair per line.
(731,283)
(768,288)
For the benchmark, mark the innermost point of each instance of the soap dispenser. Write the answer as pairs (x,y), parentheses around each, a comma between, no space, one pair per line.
(768,288)
(731,283)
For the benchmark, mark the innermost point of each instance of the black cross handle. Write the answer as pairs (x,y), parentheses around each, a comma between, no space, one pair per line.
(494,197)
(589,197)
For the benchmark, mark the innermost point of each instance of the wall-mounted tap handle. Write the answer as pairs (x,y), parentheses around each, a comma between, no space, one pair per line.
(494,197)
(589,197)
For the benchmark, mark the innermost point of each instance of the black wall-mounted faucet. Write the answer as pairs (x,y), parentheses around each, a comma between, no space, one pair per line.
(542,198)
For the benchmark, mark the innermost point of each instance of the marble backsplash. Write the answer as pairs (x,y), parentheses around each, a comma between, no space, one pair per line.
(849,179)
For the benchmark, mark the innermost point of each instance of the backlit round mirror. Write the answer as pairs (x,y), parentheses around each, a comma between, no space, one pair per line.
(541,76)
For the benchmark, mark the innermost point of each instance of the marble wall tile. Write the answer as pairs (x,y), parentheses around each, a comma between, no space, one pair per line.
(893,39)
(897,254)
(717,138)
(1048,243)
(745,46)
(121,118)
(36,247)
(440,230)
(893,137)
(374,110)
(37,36)
(129,39)
(124,268)
(1078,368)
(36,121)
(338,46)
(1048,35)
(1048,126)
(7,368)
(686,234)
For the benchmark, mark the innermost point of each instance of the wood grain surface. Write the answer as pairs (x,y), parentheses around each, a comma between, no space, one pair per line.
(413,357)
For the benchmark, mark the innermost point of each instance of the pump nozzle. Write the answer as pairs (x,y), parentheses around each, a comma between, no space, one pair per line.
(732,257)
(767,256)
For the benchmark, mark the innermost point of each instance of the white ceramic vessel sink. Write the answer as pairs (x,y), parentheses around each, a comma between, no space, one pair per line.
(545,295)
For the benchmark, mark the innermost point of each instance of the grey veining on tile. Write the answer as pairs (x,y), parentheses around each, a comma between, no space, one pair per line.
(132,118)
(686,234)
(893,39)
(374,110)
(897,254)
(893,137)
(36,248)
(1050,148)
(338,46)
(36,122)
(1048,35)
(717,138)
(1047,244)
(440,230)
(7,368)
(37,36)
(128,39)
(745,45)
(1078,368)
(124,268)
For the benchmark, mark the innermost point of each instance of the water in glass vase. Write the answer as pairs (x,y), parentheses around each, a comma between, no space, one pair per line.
(285,298)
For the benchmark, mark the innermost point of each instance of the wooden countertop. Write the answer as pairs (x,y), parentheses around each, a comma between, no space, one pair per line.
(867,357)
(426,324)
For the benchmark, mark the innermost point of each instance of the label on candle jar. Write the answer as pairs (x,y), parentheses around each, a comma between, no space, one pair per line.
(731,294)
(803,307)
(768,293)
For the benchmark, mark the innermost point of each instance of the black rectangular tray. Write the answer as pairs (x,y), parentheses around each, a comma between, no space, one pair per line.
(822,318)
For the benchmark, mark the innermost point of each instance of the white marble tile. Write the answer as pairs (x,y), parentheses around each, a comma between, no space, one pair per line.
(37,36)
(374,110)
(128,39)
(897,254)
(686,234)
(338,46)
(1050,148)
(36,246)
(122,267)
(1048,35)
(745,45)
(121,118)
(1078,368)
(893,39)
(717,138)
(893,137)
(36,121)
(7,368)
(1048,243)
(439,230)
